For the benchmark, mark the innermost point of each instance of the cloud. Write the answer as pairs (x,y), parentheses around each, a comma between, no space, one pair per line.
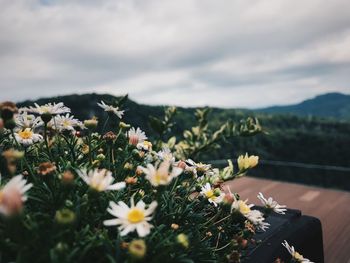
(190,52)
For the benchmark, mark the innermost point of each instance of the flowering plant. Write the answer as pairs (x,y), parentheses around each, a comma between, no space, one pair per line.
(87,196)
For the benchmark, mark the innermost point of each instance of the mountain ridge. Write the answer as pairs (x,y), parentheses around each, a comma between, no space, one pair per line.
(333,105)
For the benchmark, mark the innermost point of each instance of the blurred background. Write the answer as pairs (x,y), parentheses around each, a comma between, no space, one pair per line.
(285,62)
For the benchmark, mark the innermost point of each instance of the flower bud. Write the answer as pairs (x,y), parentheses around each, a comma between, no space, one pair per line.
(91,124)
(8,109)
(123,125)
(131,180)
(67,177)
(182,239)
(137,249)
(139,171)
(174,226)
(10,124)
(217,192)
(46,168)
(65,216)
(110,136)
(101,157)
(128,166)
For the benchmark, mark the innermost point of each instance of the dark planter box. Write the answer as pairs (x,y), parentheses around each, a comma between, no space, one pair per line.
(302,232)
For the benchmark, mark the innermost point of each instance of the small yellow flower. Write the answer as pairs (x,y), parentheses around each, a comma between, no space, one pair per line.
(247,162)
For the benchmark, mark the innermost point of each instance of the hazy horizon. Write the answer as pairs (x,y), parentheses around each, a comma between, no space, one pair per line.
(165,104)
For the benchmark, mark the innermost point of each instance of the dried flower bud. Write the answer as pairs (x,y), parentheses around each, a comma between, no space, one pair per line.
(131,180)
(174,226)
(139,171)
(67,177)
(124,245)
(110,136)
(8,109)
(46,168)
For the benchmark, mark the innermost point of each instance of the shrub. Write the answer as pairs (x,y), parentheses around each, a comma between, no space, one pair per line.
(71,194)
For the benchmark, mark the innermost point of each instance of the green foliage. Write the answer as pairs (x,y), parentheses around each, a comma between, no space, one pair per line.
(72,169)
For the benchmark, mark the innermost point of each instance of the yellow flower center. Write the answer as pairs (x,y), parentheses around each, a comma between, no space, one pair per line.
(66,123)
(160,178)
(45,109)
(26,134)
(243,208)
(297,256)
(209,194)
(135,215)
(147,144)
(1,196)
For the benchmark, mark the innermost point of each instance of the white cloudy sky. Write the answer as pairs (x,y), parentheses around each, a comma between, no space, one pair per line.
(229,53)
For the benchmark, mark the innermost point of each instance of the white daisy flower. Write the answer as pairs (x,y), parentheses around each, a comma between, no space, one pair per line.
(65,123)
(49,108)
(209,193)
(160,175)
(100,180)
(27,137)
(199,169)
(241,206)
(271,204)
(296,256)
(25,120)
(111,109)
(136,136)
(166,155)
(12,195)
(131,218)
(255,216)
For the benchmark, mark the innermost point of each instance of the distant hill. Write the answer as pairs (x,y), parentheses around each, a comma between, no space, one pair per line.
(292,138)
(334,105)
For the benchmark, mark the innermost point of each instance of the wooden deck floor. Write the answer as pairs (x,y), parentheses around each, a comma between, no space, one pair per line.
(330,206)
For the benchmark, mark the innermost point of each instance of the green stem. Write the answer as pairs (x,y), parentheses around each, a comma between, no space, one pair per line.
(47,142)
(105,124)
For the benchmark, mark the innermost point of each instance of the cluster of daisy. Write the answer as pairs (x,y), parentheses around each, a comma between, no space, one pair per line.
(161,203)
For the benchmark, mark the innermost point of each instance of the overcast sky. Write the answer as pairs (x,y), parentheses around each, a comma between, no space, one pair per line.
(208,52)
